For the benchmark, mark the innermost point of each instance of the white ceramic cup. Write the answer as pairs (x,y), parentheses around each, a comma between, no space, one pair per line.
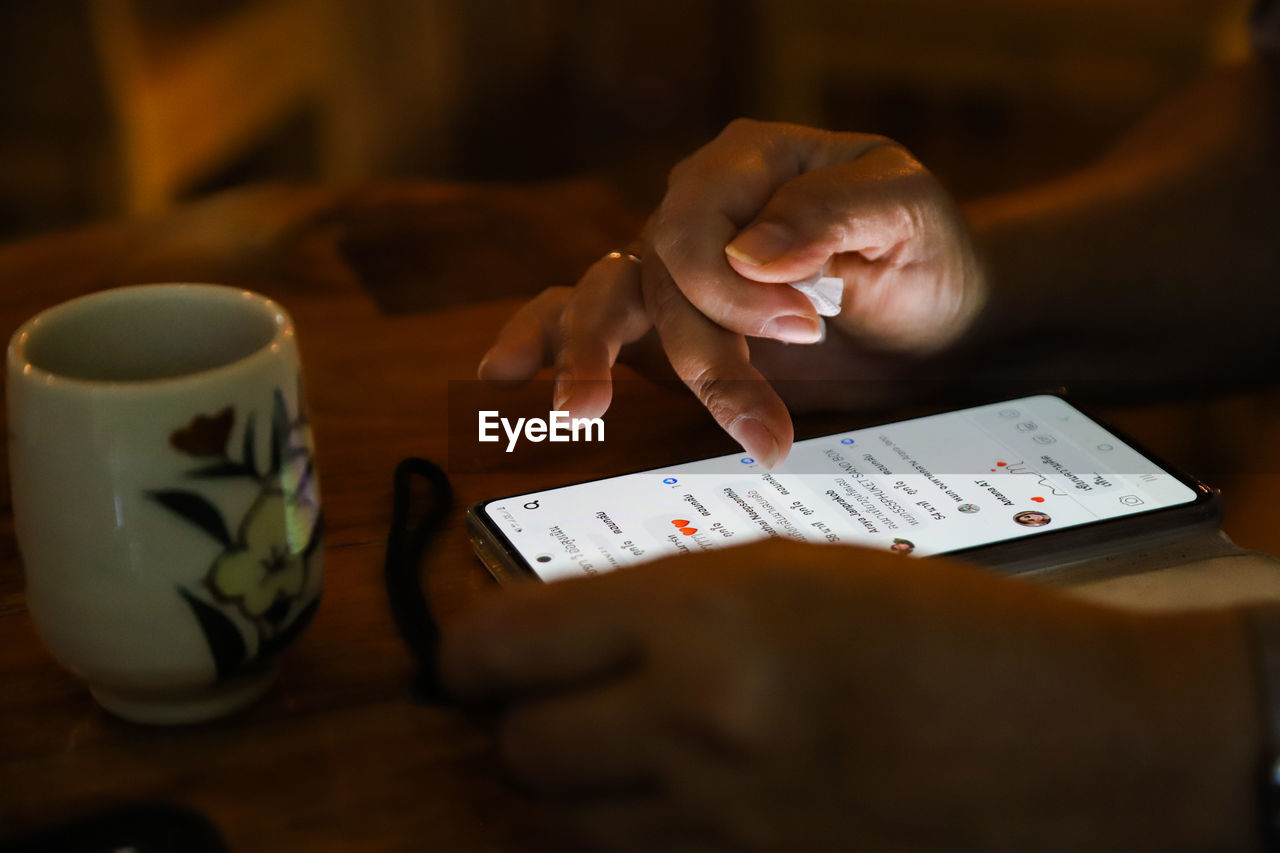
(164,494)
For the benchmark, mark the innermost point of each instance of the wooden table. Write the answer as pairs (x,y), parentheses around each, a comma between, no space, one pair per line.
(395,291)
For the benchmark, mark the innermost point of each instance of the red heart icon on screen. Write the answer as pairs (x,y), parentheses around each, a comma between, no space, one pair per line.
(680,522)
(1038,500)
(688,531)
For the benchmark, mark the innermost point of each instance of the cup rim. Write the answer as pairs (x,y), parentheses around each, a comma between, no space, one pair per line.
(16,354)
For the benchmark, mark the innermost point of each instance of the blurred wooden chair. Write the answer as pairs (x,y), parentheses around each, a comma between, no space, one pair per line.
(187,102)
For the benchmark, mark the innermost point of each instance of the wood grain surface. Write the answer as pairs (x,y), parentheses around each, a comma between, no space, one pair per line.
(336,756)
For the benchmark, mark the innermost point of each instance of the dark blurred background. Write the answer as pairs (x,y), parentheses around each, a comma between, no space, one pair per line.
(127,107)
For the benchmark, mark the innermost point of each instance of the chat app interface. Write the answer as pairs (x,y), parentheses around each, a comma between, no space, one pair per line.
(924,486)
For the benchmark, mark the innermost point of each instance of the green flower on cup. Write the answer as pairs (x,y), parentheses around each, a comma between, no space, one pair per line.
(263,574)
(263,570)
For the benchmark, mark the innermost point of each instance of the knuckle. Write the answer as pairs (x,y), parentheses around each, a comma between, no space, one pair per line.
(758,131)
(869,142)
(906,162)
(876,140)
(742,127)
(714,391)
(740,133)
(677,173)
(553,295)
(916,194)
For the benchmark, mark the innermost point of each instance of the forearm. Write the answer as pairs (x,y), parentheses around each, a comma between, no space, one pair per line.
(1154,241)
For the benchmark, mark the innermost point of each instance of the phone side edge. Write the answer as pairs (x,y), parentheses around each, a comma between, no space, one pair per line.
(492,548)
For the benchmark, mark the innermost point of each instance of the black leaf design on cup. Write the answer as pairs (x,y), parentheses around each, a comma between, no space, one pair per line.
(222,469)
(225,643)
(280,431)
(249,448)
(195,509)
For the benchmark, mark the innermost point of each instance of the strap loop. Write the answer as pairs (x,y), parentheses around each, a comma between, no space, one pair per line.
(412,527)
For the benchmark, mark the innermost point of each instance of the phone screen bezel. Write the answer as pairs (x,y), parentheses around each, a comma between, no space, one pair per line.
(509,564)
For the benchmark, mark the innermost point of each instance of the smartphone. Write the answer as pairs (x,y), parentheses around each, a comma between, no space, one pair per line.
(1017,485)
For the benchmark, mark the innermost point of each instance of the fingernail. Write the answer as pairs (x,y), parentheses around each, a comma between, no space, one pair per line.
(793,329)
(761,244)
(562,389)
(755,439)
(483,367)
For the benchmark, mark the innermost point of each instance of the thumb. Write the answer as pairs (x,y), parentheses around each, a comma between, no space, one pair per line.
(868,205)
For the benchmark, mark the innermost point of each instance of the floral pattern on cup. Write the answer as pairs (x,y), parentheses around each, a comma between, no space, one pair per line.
(262,572)
(262,576)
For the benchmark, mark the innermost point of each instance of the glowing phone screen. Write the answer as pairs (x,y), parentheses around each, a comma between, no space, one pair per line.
(925,486)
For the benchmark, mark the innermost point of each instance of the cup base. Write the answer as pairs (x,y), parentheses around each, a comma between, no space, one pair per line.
(195,706)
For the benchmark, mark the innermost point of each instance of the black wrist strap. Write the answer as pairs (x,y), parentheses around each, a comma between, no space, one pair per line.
(1263,624)
(422,499)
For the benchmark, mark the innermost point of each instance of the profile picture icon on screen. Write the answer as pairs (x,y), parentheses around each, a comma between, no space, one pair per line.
(902,546)
(1032,518)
